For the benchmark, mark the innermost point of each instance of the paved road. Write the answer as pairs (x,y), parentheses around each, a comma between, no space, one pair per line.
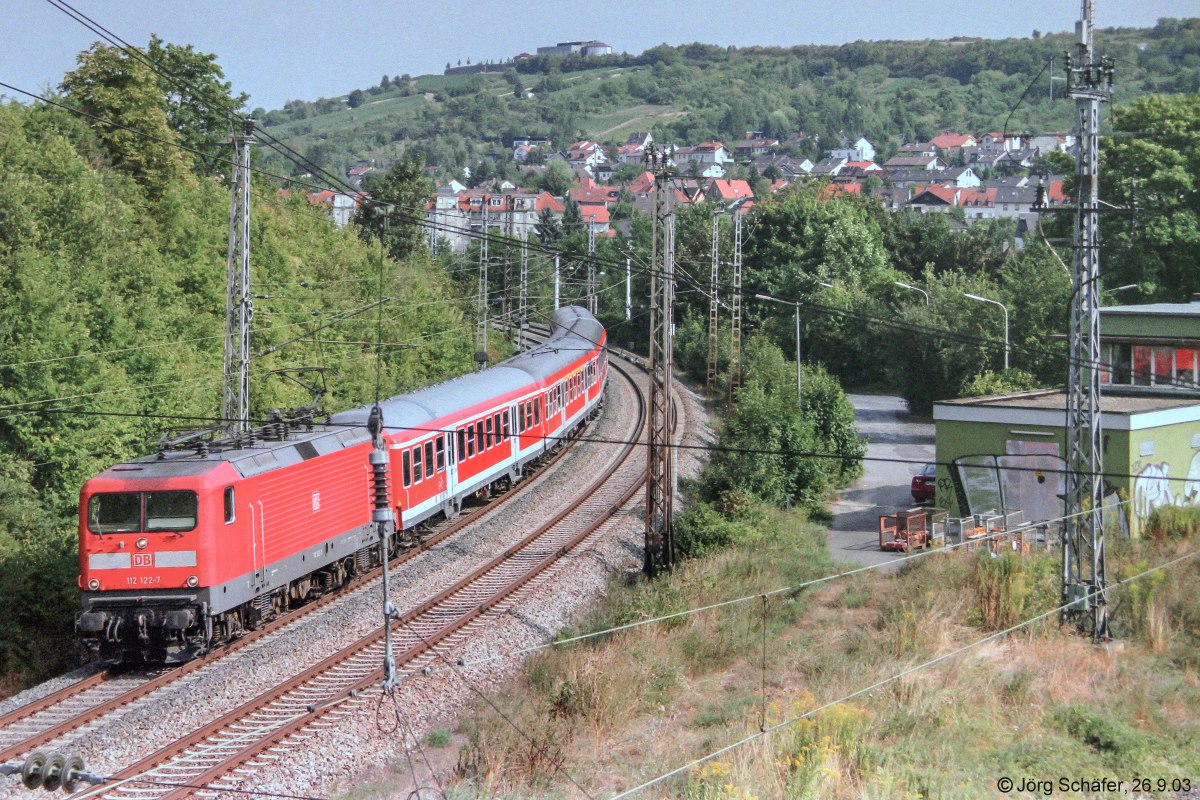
(884,487)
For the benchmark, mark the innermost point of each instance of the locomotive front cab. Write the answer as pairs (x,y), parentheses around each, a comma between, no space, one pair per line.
(142,564)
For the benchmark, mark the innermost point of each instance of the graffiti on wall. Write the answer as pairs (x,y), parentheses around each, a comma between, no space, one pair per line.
(1154,488)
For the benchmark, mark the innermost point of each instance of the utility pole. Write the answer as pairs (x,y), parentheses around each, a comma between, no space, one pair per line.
(591,267)
(710,382)
(660,485)
(735,302)
(557,278)
(1089,82)
(481,300)
(507,310)
(628,288)
(523,295)
(239,310)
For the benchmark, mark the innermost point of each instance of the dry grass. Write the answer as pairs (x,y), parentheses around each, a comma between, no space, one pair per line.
(1042,702)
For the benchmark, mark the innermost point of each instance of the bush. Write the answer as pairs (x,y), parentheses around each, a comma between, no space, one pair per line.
(1118,741)
(1173,522)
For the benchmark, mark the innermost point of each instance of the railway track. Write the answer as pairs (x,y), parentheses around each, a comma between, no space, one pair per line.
(75,708)
(222,754)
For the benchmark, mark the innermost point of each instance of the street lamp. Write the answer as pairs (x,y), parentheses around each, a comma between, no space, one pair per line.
(1002,308)
(1124,288)
(796,305)
(904,285)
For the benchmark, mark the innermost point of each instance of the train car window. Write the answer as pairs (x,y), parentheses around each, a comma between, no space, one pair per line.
(116,512)
(537,411)
(520,417)
(479,436)
(407,468)
(467,434)
(496,427)
(429,465)
(230,505)
(170,511)
(504,424)
(487,436)
(441,454)
(462,444)
(416,451)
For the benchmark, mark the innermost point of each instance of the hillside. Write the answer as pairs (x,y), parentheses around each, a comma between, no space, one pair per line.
(692,93)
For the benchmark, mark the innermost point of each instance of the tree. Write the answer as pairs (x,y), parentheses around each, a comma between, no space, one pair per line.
(113,87)
(200,105)
(548,228)
(557,178)
(1157,170)
(767,441)
(385,82)
(356,98)
(397,204)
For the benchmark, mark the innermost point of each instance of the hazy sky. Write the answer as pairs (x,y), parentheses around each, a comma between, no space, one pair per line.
(278,50)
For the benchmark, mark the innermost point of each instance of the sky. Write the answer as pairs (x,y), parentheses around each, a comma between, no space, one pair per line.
(278,50)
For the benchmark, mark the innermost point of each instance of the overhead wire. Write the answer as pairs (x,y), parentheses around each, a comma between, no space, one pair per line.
(767,730)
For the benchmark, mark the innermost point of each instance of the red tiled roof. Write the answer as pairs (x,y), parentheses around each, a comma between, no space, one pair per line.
(947,194)
(865,166)
(546,200)
(977,197)
(594,213)
(951,139)
(1055,193)
(830,190)
(731,189)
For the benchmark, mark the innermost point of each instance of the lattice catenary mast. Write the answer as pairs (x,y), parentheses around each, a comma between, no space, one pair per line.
(1089,82)
(239,310)
(710,381)
(660,539)
(481,299)
(735,303)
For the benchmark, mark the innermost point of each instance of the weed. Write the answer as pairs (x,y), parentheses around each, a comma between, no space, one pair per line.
(438,738)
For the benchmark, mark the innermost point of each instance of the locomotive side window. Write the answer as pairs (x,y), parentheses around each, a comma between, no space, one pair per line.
(407,468)
(441,454)
(416,451)
(230,505)
(118,512)
(170,511)
(429,465)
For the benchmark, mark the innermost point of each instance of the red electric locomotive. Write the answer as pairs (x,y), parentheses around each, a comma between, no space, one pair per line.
(188,548)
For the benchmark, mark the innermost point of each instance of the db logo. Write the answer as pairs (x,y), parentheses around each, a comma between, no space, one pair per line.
(316,501)
(143,559)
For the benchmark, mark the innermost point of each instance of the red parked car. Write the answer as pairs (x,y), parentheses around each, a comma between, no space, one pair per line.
(924,484)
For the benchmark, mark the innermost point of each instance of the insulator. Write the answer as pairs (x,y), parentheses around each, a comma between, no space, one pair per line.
(379,486)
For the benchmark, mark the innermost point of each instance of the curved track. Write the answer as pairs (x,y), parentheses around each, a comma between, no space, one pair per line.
(220,755)
(81,704)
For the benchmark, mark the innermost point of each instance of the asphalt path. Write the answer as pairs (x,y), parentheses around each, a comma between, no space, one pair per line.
(884,487)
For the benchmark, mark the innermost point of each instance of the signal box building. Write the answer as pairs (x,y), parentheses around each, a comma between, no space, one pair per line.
(1150,416)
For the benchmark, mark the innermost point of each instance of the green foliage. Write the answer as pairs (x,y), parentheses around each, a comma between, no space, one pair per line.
(802,241)
(1158,170)
(767,439)
(1113,738)
(438,738)
(556,179)
(199,104)
(1003,382)
(127,108)
(879,89)
(112,297)
(1173,522)
(397,204)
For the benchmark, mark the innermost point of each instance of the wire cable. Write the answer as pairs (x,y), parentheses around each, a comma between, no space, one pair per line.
(890,679)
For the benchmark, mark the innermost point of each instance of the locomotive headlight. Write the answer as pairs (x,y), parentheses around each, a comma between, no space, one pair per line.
(142,542)
(94,584)
(193,581)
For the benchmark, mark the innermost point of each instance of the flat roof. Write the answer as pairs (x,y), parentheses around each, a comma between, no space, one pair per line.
(1056,400)
(1155,309)
(1046,408)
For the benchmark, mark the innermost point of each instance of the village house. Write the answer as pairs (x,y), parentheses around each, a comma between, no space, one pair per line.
(457,217)
(861,150)
(705,160)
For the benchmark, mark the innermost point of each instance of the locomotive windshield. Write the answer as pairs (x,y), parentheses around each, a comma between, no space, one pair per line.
(134,512)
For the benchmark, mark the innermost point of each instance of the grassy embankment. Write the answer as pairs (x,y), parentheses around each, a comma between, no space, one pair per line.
(1042,703)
